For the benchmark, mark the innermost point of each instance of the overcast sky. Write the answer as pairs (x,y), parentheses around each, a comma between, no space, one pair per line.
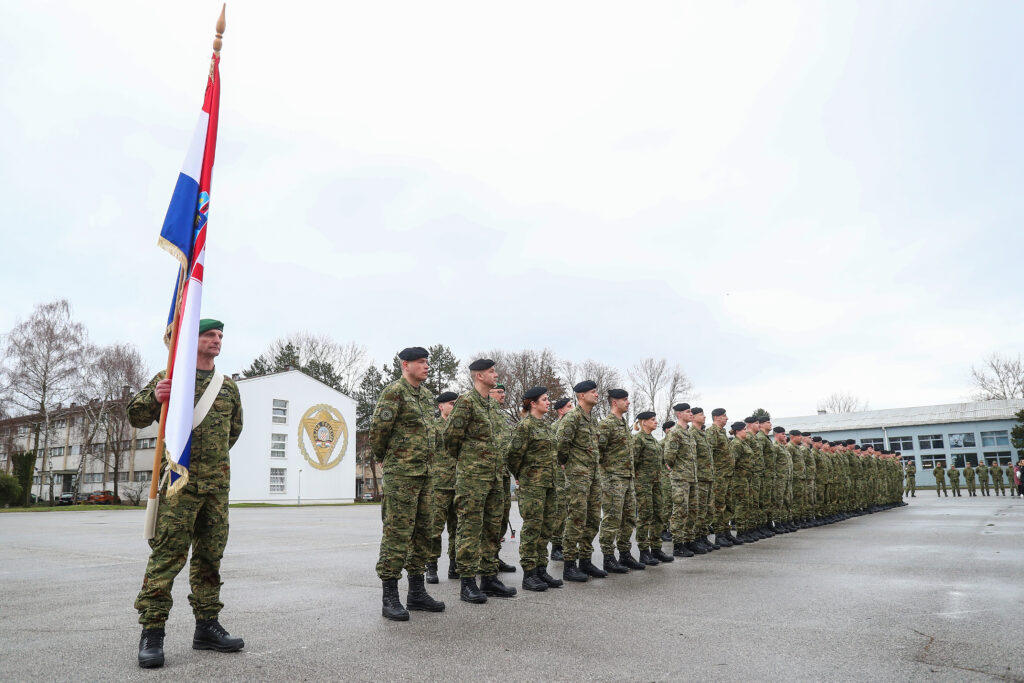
(787,199)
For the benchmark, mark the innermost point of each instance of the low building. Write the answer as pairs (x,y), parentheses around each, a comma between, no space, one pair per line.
(950,433)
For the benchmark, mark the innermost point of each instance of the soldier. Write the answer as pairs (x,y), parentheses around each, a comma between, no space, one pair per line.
(755,507)
(722,460)
(402,438)
(940,479)
(618,497)
(498,394)
(910,472)
(562,406)
(531,459)
(997,477)
(739,490)
(969,475)
(954,479)
(702,504)
(473,437)
(784,482)
(197,514)
(649,465)
(799,478)
(665,511)
(578,453)
(442,478)
(681,461)
(982,472)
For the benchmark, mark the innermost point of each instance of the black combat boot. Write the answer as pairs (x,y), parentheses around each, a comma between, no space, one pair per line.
(453,573)
(418,598)
(542,573)
(532,582)
(680,550)
(432,573)
(490,585)
(210,635)
(571,573)
(661,556)
(392,607)
(627,560)
(612,566)
(556,553)
(505,568)
(666,537)
(737,539)
(470,592)
(724,539)
(591,569)
(151,648)
(695,548)
(714,545)
(647,559)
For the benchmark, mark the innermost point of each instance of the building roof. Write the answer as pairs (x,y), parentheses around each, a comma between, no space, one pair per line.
(904,417)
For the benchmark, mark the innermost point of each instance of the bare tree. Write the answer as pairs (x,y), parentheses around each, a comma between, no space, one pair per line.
(521,370)
(41,369)
(679,388)
(998,378)
(649,377)
(349,361)
(606,376)
(842,402)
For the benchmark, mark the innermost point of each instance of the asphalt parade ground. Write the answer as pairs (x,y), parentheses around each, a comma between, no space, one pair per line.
(933,591)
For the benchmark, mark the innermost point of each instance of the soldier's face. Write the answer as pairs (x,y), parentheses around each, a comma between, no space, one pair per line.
(543,403)
(488,377)
(649,425)
(209,343)
(686,415)
(565,409)
(446,408)
(766,427)
(621,404)
(588,398)
(742,434)
(720,420)
(498,395)
(699,419)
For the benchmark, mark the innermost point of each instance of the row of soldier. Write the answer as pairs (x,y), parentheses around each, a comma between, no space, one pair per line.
(581,480)
(975,478)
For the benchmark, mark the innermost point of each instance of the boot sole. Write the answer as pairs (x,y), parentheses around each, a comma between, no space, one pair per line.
(582,580)
(475,601)
(424,608)
(203,645)
(399,617)
(151,663)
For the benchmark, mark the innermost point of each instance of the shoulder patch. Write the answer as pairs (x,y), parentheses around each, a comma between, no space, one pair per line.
(386,415)
(459,422)
(517,443)
(602,439)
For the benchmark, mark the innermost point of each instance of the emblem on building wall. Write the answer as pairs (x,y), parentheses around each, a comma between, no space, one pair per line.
(324,430)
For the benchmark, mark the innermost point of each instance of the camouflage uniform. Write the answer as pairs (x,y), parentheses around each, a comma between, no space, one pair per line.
(910,472)
(969,475)
(703,504)
(578,451)
(739,489)
(559,526)
(618,499)
(681,457)
(954,479)
(799,480)
(940,479)
(195,516)
(503,436)
(997,479)
(403,438)
(531,458)
(442,479)
(649,466)
(810,487)
(723,464)
(757,443)
(783,473)
(472,437)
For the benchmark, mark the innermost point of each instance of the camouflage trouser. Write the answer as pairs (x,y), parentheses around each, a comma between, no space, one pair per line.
(739,499)
(767,497)
(723,507)
(478,506)
(506,490)
(700,505)
(559,516)
(679,524)
(822,497)
(537,508)
(940,486)
(998,486)
(407,515)
(618,503)
(971,487)
(787,499)
(984,486)
(665,513)
(754,506)
(187,518)
(955,485)
(583,513)
(443,514)
(648,500)
(779,499)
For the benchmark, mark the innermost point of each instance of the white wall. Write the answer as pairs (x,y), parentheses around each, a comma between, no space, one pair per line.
(250,457)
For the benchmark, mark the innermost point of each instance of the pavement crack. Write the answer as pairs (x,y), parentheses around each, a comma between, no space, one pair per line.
(924,657)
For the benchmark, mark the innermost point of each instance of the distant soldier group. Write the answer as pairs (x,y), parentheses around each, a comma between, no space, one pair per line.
(985,478)
(581,479)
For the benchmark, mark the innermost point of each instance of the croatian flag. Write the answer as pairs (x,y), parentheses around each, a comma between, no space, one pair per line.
(184,236)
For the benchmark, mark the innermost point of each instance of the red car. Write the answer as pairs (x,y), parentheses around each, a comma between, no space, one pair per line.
(102,498)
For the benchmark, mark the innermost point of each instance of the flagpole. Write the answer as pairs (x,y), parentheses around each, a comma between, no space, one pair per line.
(153,502)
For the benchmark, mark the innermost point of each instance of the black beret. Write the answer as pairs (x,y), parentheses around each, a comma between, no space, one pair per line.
(668,425)
(763,419)
(413,353)
(851,442)
(795,432)
(739,426)
(585,386)
(481,364)
(447,397)
(856,447)
(535,392)
(618,393)
(646,415)
(696,411)
(779,430)
(750,420)
(680,407)
(816,439)
(717,412)
(898,453)
(560,403)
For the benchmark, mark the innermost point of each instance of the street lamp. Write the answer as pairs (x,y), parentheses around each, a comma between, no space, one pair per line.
(300,487)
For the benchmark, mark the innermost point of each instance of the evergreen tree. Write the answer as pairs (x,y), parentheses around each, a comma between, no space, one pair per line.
(444,369)
(367,394)
(1017,433)
(761,412)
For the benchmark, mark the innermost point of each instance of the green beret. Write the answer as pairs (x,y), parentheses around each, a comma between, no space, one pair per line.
(207,324)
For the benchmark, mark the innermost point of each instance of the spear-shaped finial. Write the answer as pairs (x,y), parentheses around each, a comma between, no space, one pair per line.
(217,42)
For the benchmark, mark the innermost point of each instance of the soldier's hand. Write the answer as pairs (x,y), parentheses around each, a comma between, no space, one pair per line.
(163,390)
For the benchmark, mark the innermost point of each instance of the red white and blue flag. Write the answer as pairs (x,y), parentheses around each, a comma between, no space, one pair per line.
(184,236)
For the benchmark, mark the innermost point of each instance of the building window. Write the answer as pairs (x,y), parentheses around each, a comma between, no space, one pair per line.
(142,444)
(60,424)
(277,445)
(901,443)
(22,430)
(56,451)
(76,449)
(961,459)
(280,412)
(277,479)
(141,476)
(93,477)
(930,441)
(35,479)
(1002,457)
(962,440)
(877,443)
(998,438)
(930,460)
(122,477)
(98,448)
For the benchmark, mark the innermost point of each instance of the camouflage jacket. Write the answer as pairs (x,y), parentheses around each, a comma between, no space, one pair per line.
(810,464)
(718,440)
(442,468)
(997,474)
(210,466)
(681,454)
(577,441)
(968,473)
(940,474)
(954,475)
(743,457)
(982,472)
(911,471)
(647,456)
(757,444)
(784,459)
(615,446)
(705,464)
(402,431)
(473,437)
(799,466)
(821,466)
(531,452)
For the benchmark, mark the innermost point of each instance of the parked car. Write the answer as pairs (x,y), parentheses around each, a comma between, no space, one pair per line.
(367,496)
(66,499)
(102,498)
(82,498)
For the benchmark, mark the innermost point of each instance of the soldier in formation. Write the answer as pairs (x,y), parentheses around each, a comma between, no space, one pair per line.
(442,481)
(910,472)
(996,472)
(561,406)
(983,478)
(939,472)
(969,479)
(954,479)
